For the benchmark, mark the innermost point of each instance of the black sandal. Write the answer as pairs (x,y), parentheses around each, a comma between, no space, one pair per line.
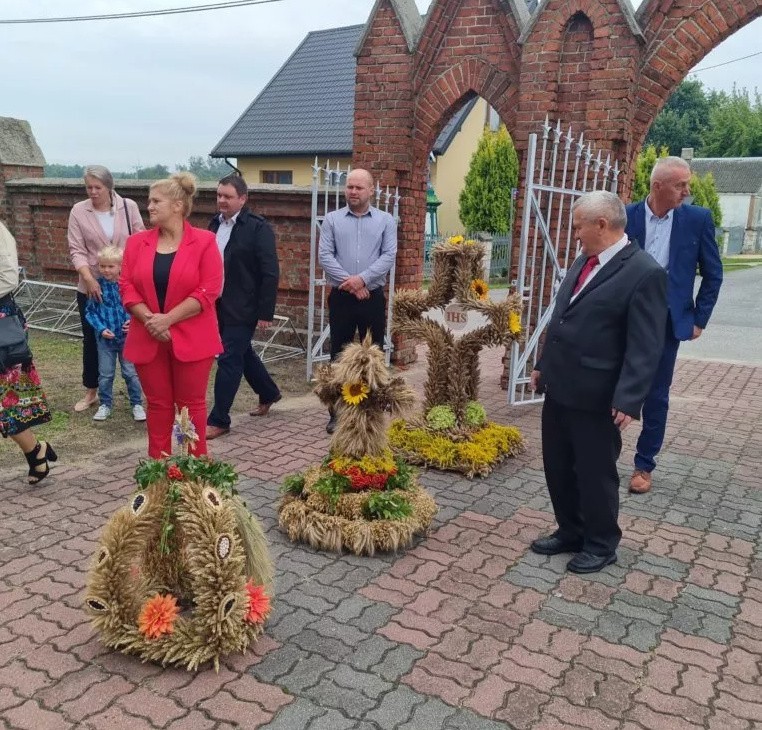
(35,461)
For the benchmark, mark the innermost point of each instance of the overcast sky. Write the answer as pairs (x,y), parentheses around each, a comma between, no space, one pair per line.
(128,93)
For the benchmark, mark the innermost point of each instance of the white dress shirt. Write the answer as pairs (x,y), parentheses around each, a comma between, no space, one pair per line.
(658,233)
(603,258)
(224,231)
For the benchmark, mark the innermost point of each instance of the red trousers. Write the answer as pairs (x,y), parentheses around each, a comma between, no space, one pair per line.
(167,383)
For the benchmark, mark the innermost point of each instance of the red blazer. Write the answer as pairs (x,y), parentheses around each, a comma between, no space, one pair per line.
(196,272)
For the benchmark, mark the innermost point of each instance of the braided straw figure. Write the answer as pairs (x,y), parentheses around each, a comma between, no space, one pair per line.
(456,434)
(182,574)
(361,498)
(360,390)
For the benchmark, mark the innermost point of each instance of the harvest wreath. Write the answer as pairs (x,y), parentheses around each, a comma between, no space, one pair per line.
(360,498)
(182,574)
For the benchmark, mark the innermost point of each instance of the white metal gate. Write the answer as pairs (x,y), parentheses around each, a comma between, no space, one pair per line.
(327,195)
(560,171)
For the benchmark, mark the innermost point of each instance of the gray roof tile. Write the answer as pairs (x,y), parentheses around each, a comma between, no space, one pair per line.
(308,106)
(732,174)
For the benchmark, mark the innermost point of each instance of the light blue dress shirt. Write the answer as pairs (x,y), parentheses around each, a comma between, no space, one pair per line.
(357,244)
(658,233)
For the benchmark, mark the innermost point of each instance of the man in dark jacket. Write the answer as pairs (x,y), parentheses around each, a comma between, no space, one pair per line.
(601,351)
(247,245)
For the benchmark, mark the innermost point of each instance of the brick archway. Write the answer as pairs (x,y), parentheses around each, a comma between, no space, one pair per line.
(594,63)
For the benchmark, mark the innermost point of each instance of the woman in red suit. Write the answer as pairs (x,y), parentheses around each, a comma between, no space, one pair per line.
(171,278)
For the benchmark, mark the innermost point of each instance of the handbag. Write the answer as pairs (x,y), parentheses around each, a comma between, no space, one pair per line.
(14,347)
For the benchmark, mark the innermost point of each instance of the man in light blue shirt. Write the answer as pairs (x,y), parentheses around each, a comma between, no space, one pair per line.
(358,246)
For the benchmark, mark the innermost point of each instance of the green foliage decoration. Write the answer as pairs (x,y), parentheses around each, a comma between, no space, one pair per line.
(475,415)
(485,201)
(387,506)
(441,418)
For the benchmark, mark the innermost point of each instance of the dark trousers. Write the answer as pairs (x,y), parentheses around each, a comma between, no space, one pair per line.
(89,346)
(579,452)
(347,314)
(656,405)
(238,359)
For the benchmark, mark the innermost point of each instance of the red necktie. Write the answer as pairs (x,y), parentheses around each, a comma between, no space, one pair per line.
(587,269)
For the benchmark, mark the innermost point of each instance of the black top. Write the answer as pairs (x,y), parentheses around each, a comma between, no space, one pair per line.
(251,271)
(162,264)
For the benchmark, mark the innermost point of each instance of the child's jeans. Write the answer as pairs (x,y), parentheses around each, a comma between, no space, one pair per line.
(107,358)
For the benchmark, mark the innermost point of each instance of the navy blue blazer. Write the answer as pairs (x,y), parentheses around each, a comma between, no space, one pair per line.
(691,246)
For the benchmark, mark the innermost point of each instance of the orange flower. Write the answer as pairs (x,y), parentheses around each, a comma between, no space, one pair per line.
(158,616)
(259,603)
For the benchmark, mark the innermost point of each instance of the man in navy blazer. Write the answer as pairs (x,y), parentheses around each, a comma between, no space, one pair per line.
(601,351)
(681,239)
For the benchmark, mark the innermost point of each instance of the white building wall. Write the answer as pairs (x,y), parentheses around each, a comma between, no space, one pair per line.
(735,209)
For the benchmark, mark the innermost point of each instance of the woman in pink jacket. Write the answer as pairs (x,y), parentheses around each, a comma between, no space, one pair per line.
(171,278)
(104,219)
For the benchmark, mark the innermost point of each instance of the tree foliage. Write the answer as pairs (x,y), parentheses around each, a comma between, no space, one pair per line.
(704,191)
(713,123)
(643,166)
(735,126)
(204,168)
(485,201)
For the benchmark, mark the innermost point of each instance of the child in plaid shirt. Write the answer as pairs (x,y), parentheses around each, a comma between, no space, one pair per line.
(110,321)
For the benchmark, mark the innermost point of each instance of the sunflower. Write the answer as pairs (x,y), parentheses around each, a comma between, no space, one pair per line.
(158,616)
(354,393)
(514,323)
(480,289)
(455,240)
(259,603)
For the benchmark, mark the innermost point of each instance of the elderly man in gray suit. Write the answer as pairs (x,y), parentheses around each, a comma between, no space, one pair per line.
(601,352)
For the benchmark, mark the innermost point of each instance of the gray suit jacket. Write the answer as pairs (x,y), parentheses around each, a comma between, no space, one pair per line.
(602,350)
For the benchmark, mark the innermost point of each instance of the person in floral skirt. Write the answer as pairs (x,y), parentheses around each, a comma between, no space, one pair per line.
(22,401)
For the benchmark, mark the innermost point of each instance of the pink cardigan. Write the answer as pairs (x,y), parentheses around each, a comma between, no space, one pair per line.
(86,237)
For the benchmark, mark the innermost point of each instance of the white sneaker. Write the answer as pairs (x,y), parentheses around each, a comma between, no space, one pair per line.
(138,412)
(102,413)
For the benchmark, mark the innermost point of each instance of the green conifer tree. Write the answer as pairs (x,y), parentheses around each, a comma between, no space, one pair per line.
(643,167)
(485,201)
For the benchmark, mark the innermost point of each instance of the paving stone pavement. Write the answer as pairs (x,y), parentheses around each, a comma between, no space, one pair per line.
(468,629)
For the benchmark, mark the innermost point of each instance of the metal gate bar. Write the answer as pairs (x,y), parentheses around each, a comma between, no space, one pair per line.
(546,245)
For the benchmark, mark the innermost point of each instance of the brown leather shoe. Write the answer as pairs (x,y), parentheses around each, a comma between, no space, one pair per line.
(214,432)
(264,408)
(640,483)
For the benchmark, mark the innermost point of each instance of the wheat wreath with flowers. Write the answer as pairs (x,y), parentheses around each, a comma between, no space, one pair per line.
(182,574)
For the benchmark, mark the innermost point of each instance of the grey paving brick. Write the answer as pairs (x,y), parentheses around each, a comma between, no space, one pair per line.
(686,619)
(332,649)
(560,612)
(660,565)
(298,714)
(329,694)
(642,635)
(370,652)
(715,628)
(278,662)
(395,708)
(467,720)
(306,673)
(611,626)
(397,662)
(374,617)
(528,577)
(431,713)
(706,605)
(330,628)
(334,720)
(352,608)
(708,594)
(369,683)
(290,624)
(299,598)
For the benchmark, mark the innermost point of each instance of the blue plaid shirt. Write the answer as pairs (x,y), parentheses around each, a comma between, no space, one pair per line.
(108,314)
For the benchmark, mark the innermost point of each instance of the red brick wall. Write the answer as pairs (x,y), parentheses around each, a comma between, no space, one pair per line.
(38,211)
(583,61)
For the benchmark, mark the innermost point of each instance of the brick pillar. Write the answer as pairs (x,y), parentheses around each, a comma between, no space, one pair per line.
(20,157)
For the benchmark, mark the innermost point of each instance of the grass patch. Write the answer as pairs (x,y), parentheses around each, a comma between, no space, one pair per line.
(76,436)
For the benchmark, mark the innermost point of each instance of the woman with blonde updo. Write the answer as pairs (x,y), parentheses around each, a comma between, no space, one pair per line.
(104,219)
(171,278)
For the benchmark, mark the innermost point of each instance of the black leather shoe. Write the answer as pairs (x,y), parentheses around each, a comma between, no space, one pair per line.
(331,425)
(589,563)
(554,545)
